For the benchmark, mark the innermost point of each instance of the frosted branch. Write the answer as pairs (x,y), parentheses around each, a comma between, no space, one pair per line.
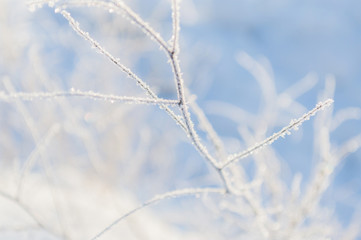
(192,134)
(142,24)
(120,8)
(189,125)
(75,25)
(294,125)
(175,25)
(90,94)
(158,198)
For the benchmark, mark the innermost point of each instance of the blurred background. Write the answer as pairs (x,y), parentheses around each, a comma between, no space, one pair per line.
(73,165)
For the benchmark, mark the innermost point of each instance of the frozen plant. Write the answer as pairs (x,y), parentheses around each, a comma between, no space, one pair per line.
(92,167)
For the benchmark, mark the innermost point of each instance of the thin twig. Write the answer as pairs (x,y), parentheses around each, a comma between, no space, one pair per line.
(192,134)
(187,124)
(183,105)
(142,24)
(176,26)
(90,94)
(294,125)
(120,8)
(75,25)
(157,198)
